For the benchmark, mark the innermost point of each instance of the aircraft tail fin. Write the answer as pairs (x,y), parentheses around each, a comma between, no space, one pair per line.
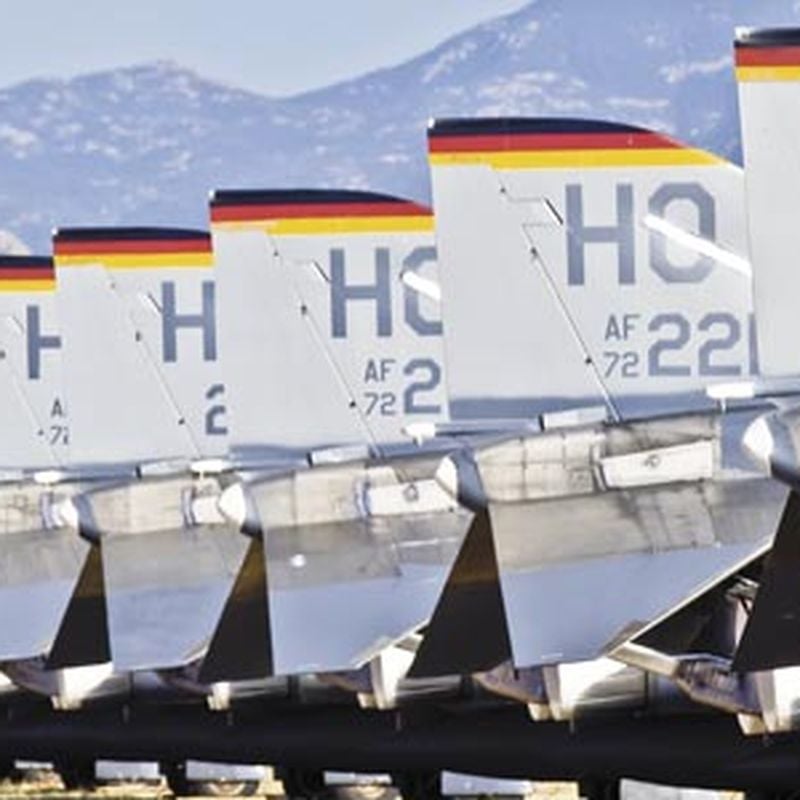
(323,293)
(124,406)
(33,426)
(577,259)
(168,567)
(317,297)
(768,77)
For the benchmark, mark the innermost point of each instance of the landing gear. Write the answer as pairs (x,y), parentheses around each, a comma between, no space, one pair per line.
(309,784)
(365,791)
(223,788)
(77,775)
(302,784)
(181,786)
(419,785)
(599,790)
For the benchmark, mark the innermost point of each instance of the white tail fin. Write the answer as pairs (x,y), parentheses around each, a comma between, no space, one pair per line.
(768,74)
(585,262)
(33,422)
(323,294)
(133,399)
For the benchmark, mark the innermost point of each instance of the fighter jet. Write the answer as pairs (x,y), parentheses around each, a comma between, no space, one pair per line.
(582,568)
(43,559)
(152,385)
(51,571)
(409,515)
(583,311)
(349,287)
(283,247)
(167,557)
(616,523)
(665,505)
(768,75)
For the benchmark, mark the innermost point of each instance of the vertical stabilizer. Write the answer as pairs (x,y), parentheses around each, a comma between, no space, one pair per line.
(327,293)
(33,420)
(768,75)
(584,263)
(119,291)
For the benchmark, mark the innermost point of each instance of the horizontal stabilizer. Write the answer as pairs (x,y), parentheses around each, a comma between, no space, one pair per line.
(38,573)
(241,648)
(707,624)
(83,636)
(771,638)
(166,590)
(612,565)
(357,567)
(468,631)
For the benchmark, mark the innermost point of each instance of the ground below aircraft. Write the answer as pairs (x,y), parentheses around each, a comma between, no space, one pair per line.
(484,736)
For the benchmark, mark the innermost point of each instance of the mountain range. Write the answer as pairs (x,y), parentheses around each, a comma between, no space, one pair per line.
(145,144)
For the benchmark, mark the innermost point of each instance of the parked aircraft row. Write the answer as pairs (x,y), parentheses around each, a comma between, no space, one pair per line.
(517,462)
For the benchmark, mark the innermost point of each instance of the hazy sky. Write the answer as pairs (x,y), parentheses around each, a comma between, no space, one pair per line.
(272,46)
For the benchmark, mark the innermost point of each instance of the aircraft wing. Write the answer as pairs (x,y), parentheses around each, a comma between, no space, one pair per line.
(340,592)
(165,591)
(166,568)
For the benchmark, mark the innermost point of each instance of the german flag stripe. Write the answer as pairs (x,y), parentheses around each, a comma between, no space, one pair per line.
(137,260)
(303,197)
(133,248)
(519,143)
(27,274)
(333,226)
(753,74)
(767,63)
(318,211)
(767,56)
(30,284)
(552,142)
(129,234)
(67,247)
(577,159)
